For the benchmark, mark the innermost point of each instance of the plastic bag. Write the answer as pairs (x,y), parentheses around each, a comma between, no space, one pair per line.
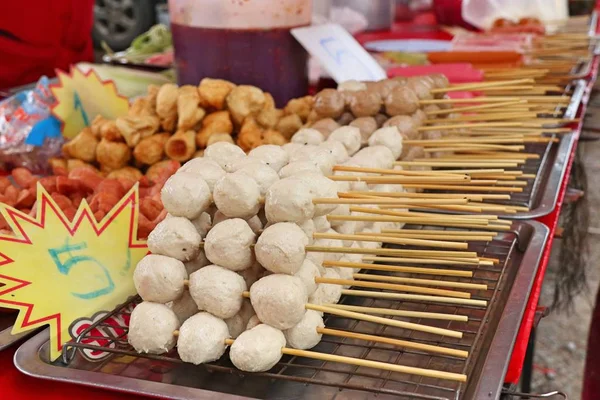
(29,134)
(483,13)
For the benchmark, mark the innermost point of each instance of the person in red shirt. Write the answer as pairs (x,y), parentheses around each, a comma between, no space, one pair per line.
(42,35)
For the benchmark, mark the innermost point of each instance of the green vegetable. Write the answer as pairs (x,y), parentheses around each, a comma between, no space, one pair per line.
(157,40)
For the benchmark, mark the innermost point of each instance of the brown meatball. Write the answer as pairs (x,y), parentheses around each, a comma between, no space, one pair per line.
(364,103)
(401,101)
(400,79)
(325,126)
(446,106)
(421,88)
(367,126)
(432,107)
(345,119)
(381,119)
(439,81)
(412,153)
(419,118)
(384,87)
(405,125)
(329,103)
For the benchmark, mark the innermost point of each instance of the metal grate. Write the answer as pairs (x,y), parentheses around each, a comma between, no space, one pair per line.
(300,377)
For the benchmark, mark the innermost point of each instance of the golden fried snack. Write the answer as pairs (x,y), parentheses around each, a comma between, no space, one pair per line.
(250,135)
(58,166)
(82,146)
(188,107)
(97,124)
(151,150)
(289,125)
(219,137)
(166,106)
(74,163)
(135,129)
(301,107)
(325,126)
(141,107)
(245,100)
(313,116)
(269,118)
(131,173)
(213,92)
(152,95)
(181,146)
(199,153)
(112,155)
(216,122)
(109,131)
(271,136)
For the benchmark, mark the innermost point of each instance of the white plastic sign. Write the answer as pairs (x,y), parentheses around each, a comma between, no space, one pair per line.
(339,53)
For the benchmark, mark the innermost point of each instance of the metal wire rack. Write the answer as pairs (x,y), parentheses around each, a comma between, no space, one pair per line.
(295,377)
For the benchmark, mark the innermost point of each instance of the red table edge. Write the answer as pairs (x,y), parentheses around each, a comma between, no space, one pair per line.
(515,367)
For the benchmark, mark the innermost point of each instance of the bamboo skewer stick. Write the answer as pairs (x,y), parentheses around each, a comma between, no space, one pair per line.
(425,282)
(492,106)
(426,217)
(395,252)
(416,260)
(400,313)
(473,86)
(474,164)
(373,200)
(391,240)
(397,179)
(470,126)
(466,238)
(433,222)
(396,342)
(414,297)
(398,268)
(469,100)
(472,188)
(468,196)
(485,117)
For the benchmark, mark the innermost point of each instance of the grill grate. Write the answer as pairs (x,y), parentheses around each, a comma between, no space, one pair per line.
(301,377)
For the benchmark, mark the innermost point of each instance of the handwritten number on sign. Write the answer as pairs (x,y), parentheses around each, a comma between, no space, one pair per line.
(342,56)
(79,107)
(65,268)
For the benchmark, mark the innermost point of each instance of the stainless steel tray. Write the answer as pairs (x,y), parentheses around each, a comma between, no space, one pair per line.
(489,336)
(7,339)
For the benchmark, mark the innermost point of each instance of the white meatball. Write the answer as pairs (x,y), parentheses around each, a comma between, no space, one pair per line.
(237,324)
(322,157)
(321,224)
(208,169)
(358,186)
(353,258)
(387,188)
(159,279)
(197,263)
(347,228)
(308,136)
(389,137)
(243,162)
(184,307)
(327,293)
(252,274)
(320,187)
(258,349)
(291,148)
(264,175)
(349,136)
(368,245)
(186,194)
(175,237)
(337,150)
(316,258)
(342,209)
(345,273)
(329,243)
(281,248)
(224,154)
(279,300)
(374,157)
(229,243)
(151,328)
(217,290)
(289,200)
(304,334)
(238,196)
(202,339)
(203,223)
(361,225)
(252,322)
(307,273)
(271,155)
(255,223)
(298,167)
(308,227)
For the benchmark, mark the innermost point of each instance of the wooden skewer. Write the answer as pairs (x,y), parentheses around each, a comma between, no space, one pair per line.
(476,108)
(457,164)
(414,297)
(394,287)
(385,321)
(348,168)
(392,240)
(400,313)
(469,100)
(426,282)
(470,126)
(477,86)
(479,146)
(395,342)
(433,222)
(416,260)
(484,117)
(430,195)
(398,268)
(462,149)
(373,200)
(466,238)
(397,179)
(426,216)
(393,252)
(471,188)
(439,231)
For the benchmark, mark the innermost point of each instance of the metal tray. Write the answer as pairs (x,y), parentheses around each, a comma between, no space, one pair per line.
(489,336)
(7,339)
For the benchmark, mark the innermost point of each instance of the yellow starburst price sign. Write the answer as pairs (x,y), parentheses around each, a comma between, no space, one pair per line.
(81,97)
(55,271)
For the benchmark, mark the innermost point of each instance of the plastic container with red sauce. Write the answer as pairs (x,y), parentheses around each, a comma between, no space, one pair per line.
(244,41)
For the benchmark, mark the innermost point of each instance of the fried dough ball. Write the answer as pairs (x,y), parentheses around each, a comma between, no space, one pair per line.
(301,107)
(166,106)
(329,103)
(274,137)
(159,278)
(130,173)
(279,300)
(366,125)
(175,237)
(325,126)
(142,107)
(202,339)
(83,146)
(151,328)
(244,100)
(181,146)
(134,129)
(112,155)
(269,117)
(151,150)
(97,124)
(364,103)
(401,101)
(109,131)
(250,135)
(216,122)
(217,290)
(213,92)
(289,124)
(188,108)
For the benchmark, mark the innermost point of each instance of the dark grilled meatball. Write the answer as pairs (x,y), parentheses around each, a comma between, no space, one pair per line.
(329,103)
